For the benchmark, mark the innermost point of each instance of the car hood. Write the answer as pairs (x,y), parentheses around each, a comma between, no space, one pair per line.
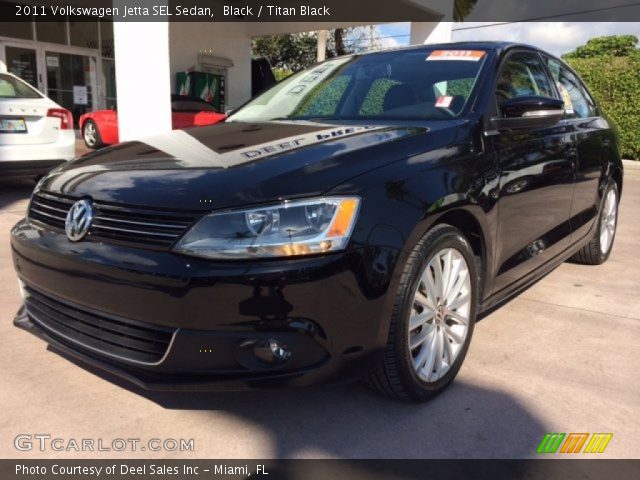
(232,164)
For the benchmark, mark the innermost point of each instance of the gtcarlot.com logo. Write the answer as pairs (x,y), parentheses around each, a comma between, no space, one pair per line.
(43,442)
(574,443)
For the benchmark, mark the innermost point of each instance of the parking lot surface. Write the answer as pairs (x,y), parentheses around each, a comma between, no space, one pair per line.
(562,356)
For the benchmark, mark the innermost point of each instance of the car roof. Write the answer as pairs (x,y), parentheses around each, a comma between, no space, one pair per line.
(498,46)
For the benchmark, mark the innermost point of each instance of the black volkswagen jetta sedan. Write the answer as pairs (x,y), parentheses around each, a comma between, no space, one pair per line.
(350,222)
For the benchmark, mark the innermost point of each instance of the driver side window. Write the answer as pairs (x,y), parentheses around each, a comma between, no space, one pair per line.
(522,74)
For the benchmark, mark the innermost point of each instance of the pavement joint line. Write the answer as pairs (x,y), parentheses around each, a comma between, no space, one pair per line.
(578,308)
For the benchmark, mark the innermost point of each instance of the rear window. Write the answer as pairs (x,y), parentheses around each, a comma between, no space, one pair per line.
(12,87)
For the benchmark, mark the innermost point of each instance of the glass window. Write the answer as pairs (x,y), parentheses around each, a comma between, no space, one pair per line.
(22,30)
(11,87)
(109,72)
(324,100)
(22,63)
(64,75)
(460,86)
(399,84)
(373,103)
(106,39)
(577,102)
(523,74)
(84,34)
(53,32)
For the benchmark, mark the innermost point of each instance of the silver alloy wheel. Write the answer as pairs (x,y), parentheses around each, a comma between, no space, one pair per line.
(90,134)
(608,221)
(439,319)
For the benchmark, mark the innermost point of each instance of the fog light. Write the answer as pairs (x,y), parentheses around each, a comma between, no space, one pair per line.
(268,350)
(279,351)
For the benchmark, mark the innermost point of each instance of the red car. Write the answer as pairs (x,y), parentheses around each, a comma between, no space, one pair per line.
(101,128)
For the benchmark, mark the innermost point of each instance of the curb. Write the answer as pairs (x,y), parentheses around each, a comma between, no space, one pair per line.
(631,165)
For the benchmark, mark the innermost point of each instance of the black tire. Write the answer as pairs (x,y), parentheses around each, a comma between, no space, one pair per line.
(591,253)
(396,377)
(98,139)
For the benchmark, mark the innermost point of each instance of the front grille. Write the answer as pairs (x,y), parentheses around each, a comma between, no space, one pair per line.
(137,226)
(118,339)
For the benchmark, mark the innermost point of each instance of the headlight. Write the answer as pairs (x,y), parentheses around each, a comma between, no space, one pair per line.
(291,228)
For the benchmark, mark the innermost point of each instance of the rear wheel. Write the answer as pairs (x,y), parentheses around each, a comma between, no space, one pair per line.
(597,251)
(91,135)
(433,318)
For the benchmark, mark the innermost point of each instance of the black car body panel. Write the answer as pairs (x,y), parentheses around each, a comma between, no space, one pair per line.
(526,200)
(231,168)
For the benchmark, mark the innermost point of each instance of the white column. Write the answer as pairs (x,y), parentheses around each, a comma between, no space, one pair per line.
(430,32)
(322,45)
(143,79)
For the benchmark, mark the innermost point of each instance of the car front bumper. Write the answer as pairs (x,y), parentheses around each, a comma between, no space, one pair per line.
(330,312)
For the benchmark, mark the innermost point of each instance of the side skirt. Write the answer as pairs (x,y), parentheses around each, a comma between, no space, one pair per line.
(517,287)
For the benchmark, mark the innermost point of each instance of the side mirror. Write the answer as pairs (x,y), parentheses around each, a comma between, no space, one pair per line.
(528,113)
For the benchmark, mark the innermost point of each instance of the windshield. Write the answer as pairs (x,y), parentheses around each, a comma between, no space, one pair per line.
(414,84)
(11,87)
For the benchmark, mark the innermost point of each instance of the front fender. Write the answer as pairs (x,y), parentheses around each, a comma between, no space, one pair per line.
(402,201)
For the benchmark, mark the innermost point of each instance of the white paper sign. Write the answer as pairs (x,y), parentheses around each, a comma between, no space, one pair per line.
(53,62)
(80,96)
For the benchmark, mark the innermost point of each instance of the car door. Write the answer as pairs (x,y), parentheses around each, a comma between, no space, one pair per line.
(107,123)
(592,141)
(536,169)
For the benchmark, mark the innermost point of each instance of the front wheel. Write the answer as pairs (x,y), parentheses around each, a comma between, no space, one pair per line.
(597,251)
(433,318)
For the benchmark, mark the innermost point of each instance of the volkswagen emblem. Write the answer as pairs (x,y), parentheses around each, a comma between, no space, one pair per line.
(78,220)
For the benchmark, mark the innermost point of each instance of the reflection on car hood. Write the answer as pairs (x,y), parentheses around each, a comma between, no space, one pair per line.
(234,163)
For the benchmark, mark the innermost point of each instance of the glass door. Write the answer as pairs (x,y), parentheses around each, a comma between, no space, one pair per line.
(71,81)
(24,62)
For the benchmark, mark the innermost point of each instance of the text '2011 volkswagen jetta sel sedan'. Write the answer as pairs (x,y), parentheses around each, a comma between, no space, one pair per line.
(350,222)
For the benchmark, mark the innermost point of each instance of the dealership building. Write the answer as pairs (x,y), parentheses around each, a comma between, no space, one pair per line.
(87,65)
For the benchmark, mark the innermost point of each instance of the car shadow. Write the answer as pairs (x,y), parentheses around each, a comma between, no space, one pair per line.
(14,191)
(351,421)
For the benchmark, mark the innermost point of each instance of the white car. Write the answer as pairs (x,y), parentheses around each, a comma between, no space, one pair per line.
(36,134)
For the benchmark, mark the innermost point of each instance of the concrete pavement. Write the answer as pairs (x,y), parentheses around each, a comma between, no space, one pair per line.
(561,357)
